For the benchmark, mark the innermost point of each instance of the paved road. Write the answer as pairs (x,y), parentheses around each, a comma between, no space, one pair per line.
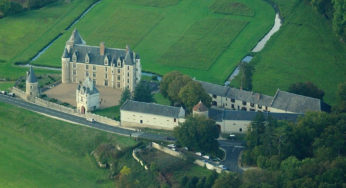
(233,149)
(118,130)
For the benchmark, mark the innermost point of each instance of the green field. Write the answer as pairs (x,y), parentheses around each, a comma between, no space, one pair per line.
(305,49)
(24,34)
(155,3)
(156,32)
(6,85)
(198,39)
(111,112)
(231,7)
(37,151)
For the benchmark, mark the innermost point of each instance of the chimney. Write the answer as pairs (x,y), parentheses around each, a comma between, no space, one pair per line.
(102,48)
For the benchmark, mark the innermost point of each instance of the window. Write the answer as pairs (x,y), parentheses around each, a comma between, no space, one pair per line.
(118,85)
(232,106)
(118,78)
(94,74)
(30,87)
(232,100)
(240,130)
(128,74)
(106,76)
(266,108)
(128,67)
(106,69)
(86,67)
(252,104)
(87,74)
(74,72)
(259,106)
(214,96)
(141,121)
(118,70)
(106,82)
(74,65)
(94,67)
(244,102)
(243,108)
(214,103)
(128,81)
(175,120)
(94,81)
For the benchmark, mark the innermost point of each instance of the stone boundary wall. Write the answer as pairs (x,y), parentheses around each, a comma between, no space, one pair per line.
(208,166)
(134,155)
(168,151)
(102,119)
(61,108)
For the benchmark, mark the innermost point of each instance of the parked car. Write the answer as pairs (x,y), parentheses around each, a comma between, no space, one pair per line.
(186,148)
(3,92)
(198,153)
(232,136)
(206,156)
(91,120)
(171,145)
(12,94)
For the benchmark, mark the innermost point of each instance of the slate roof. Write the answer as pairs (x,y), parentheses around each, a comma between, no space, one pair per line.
(219,115)
(82,50)
(249,96)
(237,94)
(152,108)
(295,103)
(88,87)
(31,76)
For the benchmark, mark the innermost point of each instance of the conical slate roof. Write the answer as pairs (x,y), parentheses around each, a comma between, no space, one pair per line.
(65,54)
(76,38)
(200,107)
(31,76)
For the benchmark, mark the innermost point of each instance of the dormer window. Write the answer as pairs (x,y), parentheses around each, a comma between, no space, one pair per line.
(119,62)
(87,58)
(106,60)
(74,57)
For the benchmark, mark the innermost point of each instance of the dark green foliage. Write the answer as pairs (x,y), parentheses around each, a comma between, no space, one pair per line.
(232,180)
(181,89)
(143,93)
(199,134)
(341,107)
(125,95)
(246,71)
(8,7)
(307,89)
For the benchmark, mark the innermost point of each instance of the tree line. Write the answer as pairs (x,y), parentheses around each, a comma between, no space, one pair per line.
(333,10)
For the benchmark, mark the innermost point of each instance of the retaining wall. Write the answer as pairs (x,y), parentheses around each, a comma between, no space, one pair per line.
(167,150)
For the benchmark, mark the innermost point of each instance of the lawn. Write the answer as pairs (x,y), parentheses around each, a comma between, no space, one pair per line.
(193,49)
(111,112)
(305,49)
(37,151)
(154,32)
(6,85)
(231,7)
(160,99)
(24,34)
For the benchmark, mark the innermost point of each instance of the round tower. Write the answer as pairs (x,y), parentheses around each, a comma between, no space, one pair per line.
(65,67)
(32,89)
(200,110)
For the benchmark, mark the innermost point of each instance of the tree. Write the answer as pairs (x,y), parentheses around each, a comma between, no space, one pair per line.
(246,71)
(339,18)
(192,93)
(306,89)
(125,95)
(232,180)
(143,92)
(342,98)
(166,80)
(175,86)
(199,134)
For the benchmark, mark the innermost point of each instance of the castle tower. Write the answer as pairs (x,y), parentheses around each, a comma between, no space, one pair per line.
(200,110)
(129,72)
(32,89)
(75,38)
(65,67)
(87,96)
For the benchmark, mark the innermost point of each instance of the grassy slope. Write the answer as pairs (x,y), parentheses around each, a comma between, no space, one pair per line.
(111,112)
(158,37)
(23,35)
(40,152)
(305,49)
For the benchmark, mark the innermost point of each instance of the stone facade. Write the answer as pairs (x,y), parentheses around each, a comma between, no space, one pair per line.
(32,87)
(109,67)
(87,97)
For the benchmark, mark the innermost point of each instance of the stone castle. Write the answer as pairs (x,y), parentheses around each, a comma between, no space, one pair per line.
(109,67)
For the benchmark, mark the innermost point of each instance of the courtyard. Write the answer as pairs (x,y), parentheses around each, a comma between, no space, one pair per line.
(67,93)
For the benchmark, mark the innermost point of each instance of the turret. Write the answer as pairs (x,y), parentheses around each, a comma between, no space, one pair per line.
(200,110)
(32,89)
(65,67)
(75,38)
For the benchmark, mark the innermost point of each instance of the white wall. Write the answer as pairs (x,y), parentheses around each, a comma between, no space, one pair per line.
(234,126)
(133,119)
